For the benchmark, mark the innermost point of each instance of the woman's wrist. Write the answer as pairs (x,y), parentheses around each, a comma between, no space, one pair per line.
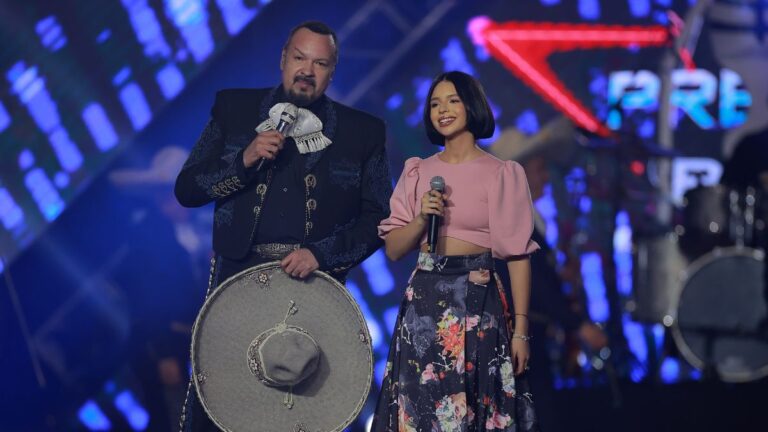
(521,323)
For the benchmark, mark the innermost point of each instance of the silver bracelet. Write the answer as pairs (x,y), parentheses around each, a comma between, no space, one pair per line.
(520,336)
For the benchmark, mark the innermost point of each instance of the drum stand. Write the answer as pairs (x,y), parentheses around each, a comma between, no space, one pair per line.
(709,372)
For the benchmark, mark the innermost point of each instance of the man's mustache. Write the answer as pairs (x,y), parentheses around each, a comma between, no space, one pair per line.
(306,79)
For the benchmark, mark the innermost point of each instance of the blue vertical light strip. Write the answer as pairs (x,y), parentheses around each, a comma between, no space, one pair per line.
(594,286)
(66,150)
(550,2)
(134,413)
(92,417)
(394,102)
(170,80)
(44,193)
(378,370)
(136,105)
(639,8)
(236,15)
(61,180)
(589,9)
(99,126)
(147,29)
(661,17)
(26,159)
(636,340)
(670,370)
(5,118)
(11,215)
(547,208)
(32,92)
(633,331)
(121,76)
(191,19)
(622,253)
(527,122)
(370,318)
(390,318)
(376,271)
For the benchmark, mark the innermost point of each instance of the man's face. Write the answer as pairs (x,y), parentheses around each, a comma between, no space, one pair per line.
(307,65)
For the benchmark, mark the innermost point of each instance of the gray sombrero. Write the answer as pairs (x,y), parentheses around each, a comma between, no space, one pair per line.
(273,353)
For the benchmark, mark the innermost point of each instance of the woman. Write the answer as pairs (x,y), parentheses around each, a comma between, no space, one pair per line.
(456,347)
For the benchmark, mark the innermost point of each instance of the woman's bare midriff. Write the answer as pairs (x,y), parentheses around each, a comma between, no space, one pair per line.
(454,246)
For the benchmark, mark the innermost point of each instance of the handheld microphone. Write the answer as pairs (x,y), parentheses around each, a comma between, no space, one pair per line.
(437,184)
(287,117)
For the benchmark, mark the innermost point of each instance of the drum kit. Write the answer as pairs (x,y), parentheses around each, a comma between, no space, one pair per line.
(704,278)
(703,275)
(719,317)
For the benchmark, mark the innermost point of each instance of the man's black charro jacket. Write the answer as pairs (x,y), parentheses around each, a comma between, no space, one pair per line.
(347,185)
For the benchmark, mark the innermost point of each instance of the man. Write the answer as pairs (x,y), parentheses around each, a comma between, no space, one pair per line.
(549,304)
(311,197)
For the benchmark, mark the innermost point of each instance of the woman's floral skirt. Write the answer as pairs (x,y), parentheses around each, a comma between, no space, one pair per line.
(449,366)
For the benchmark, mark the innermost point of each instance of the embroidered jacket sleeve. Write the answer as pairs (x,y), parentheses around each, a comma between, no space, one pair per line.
(510,213)
(403,201)
(350,244)
(213,170)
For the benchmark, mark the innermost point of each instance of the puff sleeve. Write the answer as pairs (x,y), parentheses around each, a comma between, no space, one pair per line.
(402,204)
(510,213)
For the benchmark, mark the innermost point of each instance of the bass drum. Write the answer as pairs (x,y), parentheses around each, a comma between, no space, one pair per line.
(719,313)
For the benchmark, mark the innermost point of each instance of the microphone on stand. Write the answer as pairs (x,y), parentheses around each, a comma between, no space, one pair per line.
(287,117)
(437,184)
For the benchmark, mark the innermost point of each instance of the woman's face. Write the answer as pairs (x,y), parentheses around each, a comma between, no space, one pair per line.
(446,110)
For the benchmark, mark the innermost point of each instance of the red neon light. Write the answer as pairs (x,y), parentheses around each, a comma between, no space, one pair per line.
(523,48)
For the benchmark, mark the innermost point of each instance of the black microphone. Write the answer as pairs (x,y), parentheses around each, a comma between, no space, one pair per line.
(437,184)
(287,117)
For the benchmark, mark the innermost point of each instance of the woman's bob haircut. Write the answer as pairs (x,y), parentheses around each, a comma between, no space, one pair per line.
(480,122)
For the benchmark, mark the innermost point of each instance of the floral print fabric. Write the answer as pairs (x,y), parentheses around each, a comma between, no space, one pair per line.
(449,367)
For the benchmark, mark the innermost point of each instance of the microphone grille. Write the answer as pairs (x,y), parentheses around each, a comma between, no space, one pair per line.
(437,183)
(290,112)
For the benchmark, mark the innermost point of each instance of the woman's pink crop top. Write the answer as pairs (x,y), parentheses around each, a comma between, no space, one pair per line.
(488,203)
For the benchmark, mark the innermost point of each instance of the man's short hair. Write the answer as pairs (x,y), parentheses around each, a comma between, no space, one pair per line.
(480,120)
(318,27)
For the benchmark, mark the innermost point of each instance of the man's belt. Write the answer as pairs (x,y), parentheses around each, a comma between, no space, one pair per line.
(274,250)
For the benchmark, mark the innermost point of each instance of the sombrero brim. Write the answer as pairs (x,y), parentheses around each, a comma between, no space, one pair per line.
(257,299)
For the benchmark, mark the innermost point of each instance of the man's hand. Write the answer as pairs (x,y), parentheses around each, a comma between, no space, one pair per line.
(299,263)
(266,145)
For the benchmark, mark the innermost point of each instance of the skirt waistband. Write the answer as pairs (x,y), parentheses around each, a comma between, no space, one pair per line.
(448,264)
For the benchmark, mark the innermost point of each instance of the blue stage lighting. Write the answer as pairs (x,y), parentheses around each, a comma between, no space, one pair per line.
(93,418)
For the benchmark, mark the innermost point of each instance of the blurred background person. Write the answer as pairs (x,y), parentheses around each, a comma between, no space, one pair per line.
(158,270)
(550,307)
